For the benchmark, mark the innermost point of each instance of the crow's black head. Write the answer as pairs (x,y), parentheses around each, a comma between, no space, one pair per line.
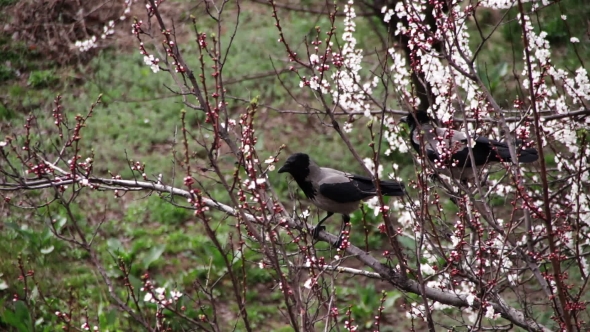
(297,165)
(421,116)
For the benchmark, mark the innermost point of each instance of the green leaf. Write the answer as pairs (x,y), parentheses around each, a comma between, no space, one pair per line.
(237,257)
(23,231)
(153,255)
(60,223)
(12,225)
(9,318)
(34,294)
(47,250)
(114,245)
(407,242)
(108,319)
(19,318)
(392,297)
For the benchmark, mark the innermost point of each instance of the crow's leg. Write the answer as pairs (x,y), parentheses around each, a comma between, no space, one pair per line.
(316,231)
(345,220)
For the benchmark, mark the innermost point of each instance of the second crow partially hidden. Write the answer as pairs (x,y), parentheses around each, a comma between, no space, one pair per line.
(454,143)
(335,191)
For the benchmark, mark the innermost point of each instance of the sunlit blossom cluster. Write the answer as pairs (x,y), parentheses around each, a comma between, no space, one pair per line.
(108,29)
(350,327)
(568,95)
(350,91)
(86,327)
(506,4)
(152,62)
(253,182)
(91,42)
(159,295)
(388,14)
(86,45)
(127,10)
(447,84)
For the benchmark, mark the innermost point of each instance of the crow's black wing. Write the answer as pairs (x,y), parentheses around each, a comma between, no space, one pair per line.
(347,188)
(499,151)
(485,150)
(388,187)
(490,142)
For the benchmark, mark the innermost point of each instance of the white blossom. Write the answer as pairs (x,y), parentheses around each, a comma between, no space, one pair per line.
(152,62)
(175,295)
(314,59)
(148,297)
(108,29)
(86,45)
(304,214)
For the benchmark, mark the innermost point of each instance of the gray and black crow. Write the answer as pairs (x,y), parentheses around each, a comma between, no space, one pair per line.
(485,150)
(335,191)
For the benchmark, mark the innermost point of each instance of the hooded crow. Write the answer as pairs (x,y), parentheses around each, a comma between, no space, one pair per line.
(334,191)
(436,140)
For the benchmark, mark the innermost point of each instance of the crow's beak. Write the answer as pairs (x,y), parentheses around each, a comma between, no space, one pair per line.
(283,169)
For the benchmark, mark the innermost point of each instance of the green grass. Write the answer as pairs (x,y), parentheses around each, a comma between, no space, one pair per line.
(42,79)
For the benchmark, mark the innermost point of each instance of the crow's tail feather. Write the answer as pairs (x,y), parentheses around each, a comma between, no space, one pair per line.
(392,188)
(528,155)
